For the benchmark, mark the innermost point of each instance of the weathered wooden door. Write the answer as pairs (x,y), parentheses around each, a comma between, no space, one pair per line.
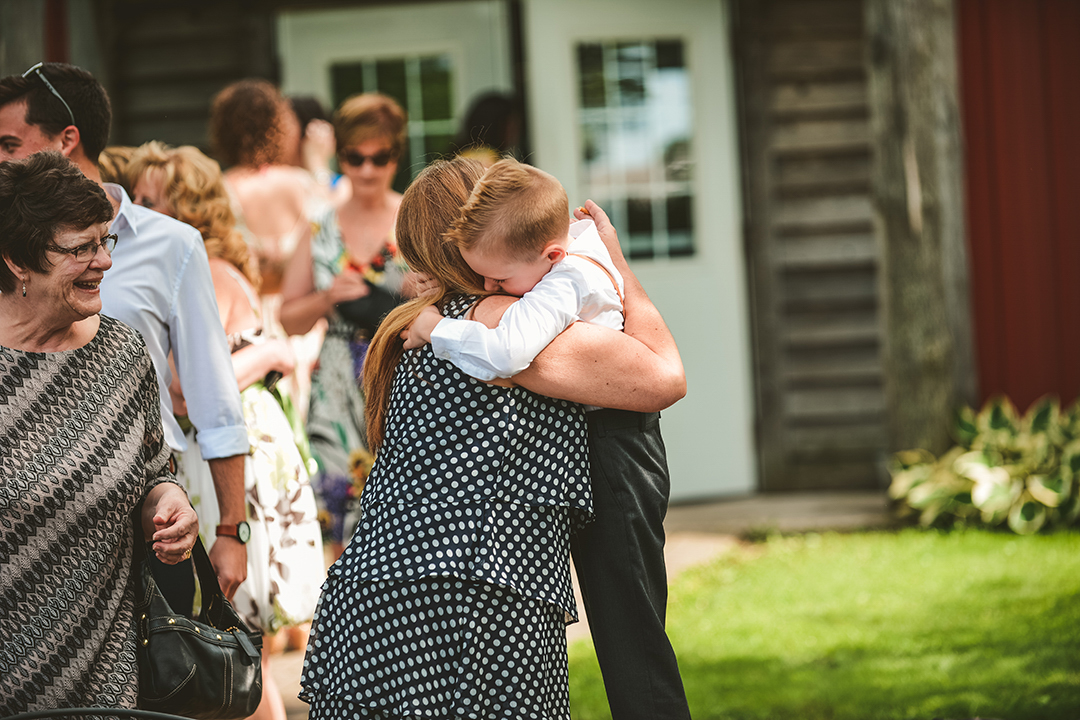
(813,256)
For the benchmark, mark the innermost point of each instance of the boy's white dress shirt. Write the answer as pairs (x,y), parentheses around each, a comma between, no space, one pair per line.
(160,284)
(574,289)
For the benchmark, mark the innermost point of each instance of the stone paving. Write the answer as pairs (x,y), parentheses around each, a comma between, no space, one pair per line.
(696,533)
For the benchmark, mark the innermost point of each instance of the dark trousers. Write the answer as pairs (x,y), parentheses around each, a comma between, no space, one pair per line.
(620,566)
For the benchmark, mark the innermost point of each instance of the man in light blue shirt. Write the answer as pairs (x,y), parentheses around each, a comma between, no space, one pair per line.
(159,284)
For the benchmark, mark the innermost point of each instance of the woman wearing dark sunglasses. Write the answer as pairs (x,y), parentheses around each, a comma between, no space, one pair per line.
(348,271)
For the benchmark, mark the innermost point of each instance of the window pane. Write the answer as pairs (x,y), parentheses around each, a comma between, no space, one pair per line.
(639,215)
(390,76)
(435,87)
(679,223)
(631,73)
(677,160)
(669,54)
(636,130)
(345,80)
(591,64)
(436,146)
(639,223)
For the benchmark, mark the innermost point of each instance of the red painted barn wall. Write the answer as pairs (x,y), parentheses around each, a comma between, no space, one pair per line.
(1020,96)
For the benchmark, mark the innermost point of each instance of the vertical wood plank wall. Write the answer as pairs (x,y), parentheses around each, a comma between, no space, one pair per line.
(171,58)
(811,245)
(1020,87)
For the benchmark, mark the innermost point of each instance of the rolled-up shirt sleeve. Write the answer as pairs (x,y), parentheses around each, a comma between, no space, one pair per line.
(203,363)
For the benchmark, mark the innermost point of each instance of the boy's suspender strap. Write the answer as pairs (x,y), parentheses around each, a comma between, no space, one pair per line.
(606,272)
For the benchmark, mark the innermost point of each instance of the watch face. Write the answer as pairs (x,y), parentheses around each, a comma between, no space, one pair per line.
(243,532)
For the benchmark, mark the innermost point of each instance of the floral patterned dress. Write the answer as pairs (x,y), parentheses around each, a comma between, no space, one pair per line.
(285,557)
(336,427)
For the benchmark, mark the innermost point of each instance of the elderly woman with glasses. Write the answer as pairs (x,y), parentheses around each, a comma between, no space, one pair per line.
(348,271)
(82,451)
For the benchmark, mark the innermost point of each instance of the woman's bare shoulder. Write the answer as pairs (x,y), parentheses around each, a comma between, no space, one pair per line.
(489,310)
(232,297)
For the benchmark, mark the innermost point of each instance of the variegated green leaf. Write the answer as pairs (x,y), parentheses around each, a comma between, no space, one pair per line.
(909,458)
(1027,515)
(1051,491)
(932,512)
(1070,462)
(905,480)
(998,415)
(994,489)
(965,429)
(1042,416)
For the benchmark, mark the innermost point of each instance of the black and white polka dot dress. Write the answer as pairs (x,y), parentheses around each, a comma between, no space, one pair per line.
(452,597)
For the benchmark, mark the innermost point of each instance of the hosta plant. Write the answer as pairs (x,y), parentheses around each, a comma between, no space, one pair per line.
(1023,471)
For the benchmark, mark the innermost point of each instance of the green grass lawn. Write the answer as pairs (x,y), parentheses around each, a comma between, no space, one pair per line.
(908,625)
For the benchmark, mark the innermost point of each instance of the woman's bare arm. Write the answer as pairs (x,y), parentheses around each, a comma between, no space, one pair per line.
(302,305)
(637,369)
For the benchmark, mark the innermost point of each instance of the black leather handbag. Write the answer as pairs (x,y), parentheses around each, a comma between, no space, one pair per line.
(208,667)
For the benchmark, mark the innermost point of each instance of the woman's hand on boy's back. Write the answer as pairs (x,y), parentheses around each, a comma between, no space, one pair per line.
(594,212)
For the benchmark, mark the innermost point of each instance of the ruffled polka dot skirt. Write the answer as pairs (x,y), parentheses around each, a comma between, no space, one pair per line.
(441,647)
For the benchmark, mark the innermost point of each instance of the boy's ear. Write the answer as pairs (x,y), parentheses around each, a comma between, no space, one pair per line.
(554,253)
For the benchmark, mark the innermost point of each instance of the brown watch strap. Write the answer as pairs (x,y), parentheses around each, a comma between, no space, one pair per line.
(227,531)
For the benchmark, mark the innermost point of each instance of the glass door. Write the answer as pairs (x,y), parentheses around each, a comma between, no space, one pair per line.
(633,105)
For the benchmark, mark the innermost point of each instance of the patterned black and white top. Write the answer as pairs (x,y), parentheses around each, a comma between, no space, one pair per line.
(461,557)
(80,445)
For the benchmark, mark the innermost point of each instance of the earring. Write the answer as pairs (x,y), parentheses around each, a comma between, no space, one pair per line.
(24,288)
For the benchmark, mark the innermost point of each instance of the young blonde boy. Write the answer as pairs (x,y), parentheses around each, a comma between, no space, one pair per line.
(516,233)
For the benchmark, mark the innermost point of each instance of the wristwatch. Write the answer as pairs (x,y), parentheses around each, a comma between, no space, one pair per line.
(240,531)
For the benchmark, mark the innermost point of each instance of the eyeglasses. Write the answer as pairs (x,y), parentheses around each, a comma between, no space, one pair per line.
(37,71)
(380,159)
(87,251)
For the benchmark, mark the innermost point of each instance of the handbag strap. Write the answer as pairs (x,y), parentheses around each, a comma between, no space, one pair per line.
(209,588)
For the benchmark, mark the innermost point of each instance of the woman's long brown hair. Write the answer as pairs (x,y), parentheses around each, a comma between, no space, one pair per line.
(431,204)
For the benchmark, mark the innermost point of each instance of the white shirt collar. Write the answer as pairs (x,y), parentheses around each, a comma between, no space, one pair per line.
(126,214)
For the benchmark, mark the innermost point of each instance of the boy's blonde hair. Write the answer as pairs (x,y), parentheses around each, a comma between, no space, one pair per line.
(516,208)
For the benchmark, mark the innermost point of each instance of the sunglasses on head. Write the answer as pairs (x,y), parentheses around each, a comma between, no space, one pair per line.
(379,159)
(36,70)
